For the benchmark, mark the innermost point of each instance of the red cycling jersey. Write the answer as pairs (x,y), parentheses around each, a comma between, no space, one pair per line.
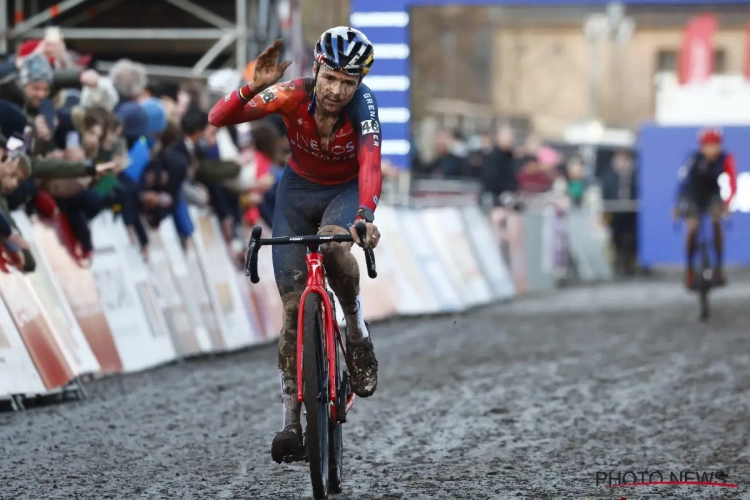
(353,149)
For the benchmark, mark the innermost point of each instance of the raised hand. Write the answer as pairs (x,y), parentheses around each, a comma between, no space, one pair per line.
(267,70)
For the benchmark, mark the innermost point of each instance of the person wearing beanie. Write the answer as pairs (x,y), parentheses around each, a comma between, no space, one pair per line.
(134,128)
(156,119)
(36,78)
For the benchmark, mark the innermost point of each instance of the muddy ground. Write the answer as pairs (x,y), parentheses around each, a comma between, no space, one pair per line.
(523,400)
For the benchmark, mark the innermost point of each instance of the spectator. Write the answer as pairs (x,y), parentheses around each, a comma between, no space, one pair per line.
(532,178)
(447,164)
(35,78)
(576,184)
(267,174)
(621,185)
(129,79)
(498,174)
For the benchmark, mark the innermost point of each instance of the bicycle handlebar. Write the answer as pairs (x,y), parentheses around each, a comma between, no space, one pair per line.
(251,262)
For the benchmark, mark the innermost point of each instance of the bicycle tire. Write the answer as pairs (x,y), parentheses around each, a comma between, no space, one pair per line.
(336,441)
(705,283)
(315,396)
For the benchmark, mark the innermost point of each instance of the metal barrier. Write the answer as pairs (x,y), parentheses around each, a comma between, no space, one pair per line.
(544,238)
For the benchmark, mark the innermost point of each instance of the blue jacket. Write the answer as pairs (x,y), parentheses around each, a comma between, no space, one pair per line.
(140,154)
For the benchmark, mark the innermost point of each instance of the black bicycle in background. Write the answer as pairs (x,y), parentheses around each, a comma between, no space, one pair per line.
(704,277)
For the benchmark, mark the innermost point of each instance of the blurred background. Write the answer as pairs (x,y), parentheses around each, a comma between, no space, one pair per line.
(566,122)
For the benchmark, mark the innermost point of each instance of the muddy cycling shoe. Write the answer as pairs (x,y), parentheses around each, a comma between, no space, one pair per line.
(287,445)
(363,367)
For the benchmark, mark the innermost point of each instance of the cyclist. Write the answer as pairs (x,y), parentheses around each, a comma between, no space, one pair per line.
(332,179)
(699,192)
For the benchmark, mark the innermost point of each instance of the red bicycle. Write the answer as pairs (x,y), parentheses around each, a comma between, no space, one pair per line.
(322,381)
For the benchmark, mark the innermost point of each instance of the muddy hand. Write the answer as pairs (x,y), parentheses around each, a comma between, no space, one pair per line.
(372,236)
(267,70)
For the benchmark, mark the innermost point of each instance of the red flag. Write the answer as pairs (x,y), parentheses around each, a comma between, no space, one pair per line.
(747,51)
(696,60)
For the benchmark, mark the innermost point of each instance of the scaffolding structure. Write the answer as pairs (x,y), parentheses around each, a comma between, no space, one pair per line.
(255,25)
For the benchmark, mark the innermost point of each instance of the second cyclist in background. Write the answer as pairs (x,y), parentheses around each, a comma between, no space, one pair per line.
(699,193)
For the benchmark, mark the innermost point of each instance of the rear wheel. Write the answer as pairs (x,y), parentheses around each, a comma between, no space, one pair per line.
(705,281)
(317,404)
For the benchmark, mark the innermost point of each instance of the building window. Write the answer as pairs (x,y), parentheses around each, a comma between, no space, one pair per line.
(666,61)
(720,62)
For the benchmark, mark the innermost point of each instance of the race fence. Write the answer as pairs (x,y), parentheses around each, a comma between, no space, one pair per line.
(124,315)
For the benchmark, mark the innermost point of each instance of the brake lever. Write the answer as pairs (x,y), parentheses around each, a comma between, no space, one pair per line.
(361,229)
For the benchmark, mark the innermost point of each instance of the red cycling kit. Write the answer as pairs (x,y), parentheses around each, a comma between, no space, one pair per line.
(353,149)
(319,187)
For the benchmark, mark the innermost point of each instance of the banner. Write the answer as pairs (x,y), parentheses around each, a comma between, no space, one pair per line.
(220,274)
(191,300)
(199,287)
(379,296)
(36,331)
(81,292)
(52,299)
(127,313)
(170,297)
(486,250)
(696,58)
(423,246)
(127,300)
(453,248)
(508,227)
(18,375)
(414,296)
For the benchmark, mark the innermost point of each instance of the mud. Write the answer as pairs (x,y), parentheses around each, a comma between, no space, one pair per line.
(288,338)
(342,270)
(525,400)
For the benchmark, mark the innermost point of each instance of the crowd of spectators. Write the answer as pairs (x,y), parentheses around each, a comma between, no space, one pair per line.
(75,142)
(525,169)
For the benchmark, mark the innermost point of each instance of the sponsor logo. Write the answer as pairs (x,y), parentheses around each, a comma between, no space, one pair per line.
(267,95)
(375,200)
(227,97)
(312,147)
(370,105)
(370,127)
(285,86)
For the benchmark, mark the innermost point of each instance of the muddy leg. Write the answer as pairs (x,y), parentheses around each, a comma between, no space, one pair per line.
(342,271)
(288,358)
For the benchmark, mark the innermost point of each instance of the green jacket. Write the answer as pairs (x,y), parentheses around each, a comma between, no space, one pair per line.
(216,171)
(50,169)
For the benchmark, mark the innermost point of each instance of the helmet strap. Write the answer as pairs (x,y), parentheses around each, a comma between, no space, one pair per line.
(315,87)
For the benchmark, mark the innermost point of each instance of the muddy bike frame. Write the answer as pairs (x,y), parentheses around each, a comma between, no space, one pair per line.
(315,284)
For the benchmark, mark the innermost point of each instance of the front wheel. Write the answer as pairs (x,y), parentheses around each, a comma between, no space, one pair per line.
(336,452)
(317,404)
